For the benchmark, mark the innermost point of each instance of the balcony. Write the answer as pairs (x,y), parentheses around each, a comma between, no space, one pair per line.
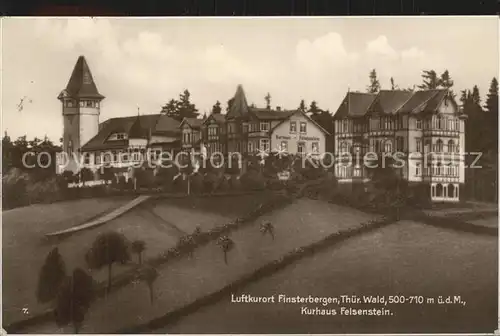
(441,133)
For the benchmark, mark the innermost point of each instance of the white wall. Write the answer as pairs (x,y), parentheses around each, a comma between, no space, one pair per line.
(313,134)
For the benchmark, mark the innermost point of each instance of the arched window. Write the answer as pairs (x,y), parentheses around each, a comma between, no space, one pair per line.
(439,146)
(439,190)
(451,190)
(388,146)
(440,122)
(451,146)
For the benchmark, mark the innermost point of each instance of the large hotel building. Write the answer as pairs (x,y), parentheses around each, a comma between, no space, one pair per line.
(426,128)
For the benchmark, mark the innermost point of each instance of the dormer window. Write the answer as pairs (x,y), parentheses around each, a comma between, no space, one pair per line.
(117,136)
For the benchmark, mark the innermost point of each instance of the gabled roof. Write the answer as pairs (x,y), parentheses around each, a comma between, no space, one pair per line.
(239,106)
(267,114)
(355,104)
(389,101)
(291,113)
(158,124)
(194,123)
(219,118)
(166,125)
(81,83)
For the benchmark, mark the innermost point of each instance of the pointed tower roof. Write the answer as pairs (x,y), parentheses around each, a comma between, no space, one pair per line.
(239,106)
(81,83)
(137,131)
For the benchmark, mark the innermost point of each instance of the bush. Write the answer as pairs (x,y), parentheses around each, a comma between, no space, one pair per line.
(253,181)
(14,192)
(197,183)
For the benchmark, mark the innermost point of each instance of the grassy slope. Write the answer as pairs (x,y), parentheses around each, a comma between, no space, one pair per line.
(24,249)
(407,258)
(184,280)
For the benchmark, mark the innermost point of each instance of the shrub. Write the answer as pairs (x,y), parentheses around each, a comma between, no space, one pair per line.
(253,181)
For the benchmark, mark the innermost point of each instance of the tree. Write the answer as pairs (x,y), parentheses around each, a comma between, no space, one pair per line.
(107,249)
(138,246)
(445,81)
(170,109)
(267,227)
(226,244)
(86,175)
(491,108)
(267,98)
(149,274)
(302,105)
(184,106)
(374,86)
(216,109)
(314,109)
(74,299)
(475,96)
(430,80)
(389,188)
(229,104)
(51,277)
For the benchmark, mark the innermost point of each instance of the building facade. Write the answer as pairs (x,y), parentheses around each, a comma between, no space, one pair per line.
(423,130)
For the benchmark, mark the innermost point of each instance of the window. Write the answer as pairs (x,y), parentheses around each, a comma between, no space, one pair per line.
(451,146)
(82,103)
(284,146)
(345,126)
(293,126)
(86,159)
(419,124)
(419,144)
(315,147)
(400,142)
(418,169)
(264,144)
(97,158)
(438,148)
(303,127)
(115,156)
(440,123)
(245,128)
(301,148)
(250,147)
(388,146)
(264,126)
(70,103)
(89,103)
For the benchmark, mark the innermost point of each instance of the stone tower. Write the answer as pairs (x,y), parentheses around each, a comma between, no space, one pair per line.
(81,107)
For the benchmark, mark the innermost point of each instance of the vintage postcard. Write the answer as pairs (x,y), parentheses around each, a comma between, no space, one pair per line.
(318,175)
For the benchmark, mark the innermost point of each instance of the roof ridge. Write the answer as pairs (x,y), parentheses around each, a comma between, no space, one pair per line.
(427,100)
(396,111)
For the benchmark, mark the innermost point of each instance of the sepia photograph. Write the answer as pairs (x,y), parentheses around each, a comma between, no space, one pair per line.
(252,175)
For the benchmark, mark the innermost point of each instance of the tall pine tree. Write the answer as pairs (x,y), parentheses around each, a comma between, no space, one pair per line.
(374,86)
(184,106)
(430,80)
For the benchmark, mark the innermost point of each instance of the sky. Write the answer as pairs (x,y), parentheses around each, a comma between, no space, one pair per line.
(145,62)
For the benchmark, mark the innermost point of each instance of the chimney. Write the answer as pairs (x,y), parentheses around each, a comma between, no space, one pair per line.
(278,108)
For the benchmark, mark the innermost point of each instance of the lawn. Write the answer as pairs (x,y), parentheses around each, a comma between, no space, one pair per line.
(184,280)
(159,223)
(406,258)
(23,250)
